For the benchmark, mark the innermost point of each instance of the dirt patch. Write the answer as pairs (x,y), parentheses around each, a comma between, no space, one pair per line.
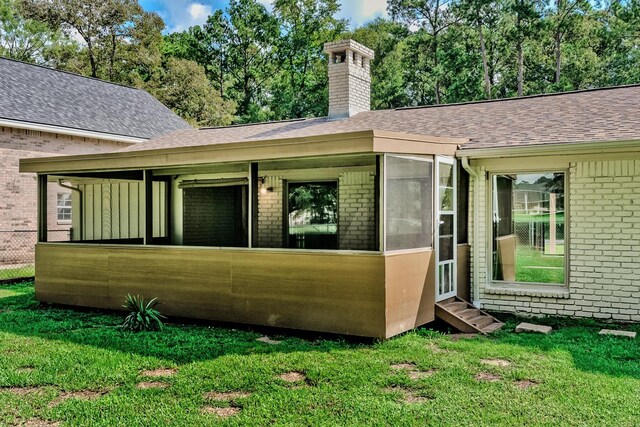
(82,395)
(293,377)
(22,391)
(496,362)
(25,370)
(525,384)
(412,370)
(487,376)
(226,396)
(408,396)
(162,372)
(265,339)
(35,422)
(221,412)
(458,337)
(404,367)
(152,384)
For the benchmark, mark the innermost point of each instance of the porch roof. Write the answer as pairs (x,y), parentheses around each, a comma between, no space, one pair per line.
(215,151)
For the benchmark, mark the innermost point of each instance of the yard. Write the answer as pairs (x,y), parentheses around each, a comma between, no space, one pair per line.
(75,367)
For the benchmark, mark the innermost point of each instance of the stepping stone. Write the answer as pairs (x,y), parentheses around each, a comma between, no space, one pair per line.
(627,334)
(486,376)
(265,339)
(531,327)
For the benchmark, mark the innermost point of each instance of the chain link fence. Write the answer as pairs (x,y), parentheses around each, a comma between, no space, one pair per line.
(17,252)
(536,232)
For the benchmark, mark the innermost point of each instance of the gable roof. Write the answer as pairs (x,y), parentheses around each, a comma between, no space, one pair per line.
(598,115)
(41,95)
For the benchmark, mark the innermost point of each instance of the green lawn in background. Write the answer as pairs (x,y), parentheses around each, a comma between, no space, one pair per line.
(533,266)
(17,272)
(76,368)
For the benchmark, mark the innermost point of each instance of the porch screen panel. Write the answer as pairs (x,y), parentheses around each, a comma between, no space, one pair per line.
(409,202)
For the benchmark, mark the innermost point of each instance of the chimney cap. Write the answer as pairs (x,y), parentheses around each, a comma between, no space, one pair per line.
(348,44)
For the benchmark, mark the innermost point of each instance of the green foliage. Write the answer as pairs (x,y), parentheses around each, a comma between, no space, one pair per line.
(268,64)
(143,316)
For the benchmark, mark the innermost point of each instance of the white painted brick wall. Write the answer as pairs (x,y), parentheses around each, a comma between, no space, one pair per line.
(604,253)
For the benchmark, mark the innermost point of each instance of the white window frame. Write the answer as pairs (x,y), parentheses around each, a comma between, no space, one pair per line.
(62,208)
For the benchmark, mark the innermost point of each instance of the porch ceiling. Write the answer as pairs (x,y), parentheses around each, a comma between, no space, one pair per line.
(348,143)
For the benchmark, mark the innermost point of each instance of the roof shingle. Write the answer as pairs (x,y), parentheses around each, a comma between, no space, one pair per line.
(611,114)
(41,95)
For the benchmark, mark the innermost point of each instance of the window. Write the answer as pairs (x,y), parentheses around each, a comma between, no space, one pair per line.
(64,207)
(409,201)
(529,227)
(312,215)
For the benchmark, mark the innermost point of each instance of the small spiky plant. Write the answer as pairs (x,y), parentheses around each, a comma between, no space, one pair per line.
(143,316)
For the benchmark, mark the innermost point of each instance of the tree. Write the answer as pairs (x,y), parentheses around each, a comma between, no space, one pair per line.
(433,17)
(183,86)
(300,87)
(388,85)
(26,39)
(242,41)
(117,34)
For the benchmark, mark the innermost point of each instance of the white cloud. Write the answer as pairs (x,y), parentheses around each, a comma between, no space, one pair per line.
(199,12)
(361,11)
(179,15)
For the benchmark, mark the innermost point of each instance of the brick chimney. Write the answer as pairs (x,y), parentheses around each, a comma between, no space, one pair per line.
(349,78)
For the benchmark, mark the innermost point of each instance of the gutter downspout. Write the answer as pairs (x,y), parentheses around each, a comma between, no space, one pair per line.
(476,232)
(72,188)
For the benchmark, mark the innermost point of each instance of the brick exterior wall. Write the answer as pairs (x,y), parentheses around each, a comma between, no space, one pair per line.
(270,214)
(604,247)
(18,192)
(356,212)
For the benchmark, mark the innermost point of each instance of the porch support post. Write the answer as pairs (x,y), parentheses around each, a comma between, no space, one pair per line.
(253,214)
(148,207)
(42,208)
(379,203)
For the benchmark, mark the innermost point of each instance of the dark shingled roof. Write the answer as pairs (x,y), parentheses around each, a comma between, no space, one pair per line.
(42,95)
(611,114)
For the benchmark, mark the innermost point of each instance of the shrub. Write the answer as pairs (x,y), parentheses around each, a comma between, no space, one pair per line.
(143,316)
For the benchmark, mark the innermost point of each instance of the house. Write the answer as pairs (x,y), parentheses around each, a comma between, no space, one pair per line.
(45,112)
(367,223)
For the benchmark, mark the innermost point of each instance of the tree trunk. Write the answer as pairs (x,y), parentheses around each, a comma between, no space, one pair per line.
(520,68)
(435,61)
(485,64)
(558,51)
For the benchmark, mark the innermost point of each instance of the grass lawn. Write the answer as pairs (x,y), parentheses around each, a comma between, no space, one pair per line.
(77,368)
(17,272)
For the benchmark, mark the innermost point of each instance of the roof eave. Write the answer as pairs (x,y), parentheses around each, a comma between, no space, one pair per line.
(62,130)
(346,143)
(551,149)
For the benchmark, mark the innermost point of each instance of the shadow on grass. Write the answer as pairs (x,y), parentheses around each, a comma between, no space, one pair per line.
(615,356)
(179,342)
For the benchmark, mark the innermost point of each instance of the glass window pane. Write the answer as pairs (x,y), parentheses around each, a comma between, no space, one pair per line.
(313,215)
(529,228)
(409,193)
(445,181)
(446,243)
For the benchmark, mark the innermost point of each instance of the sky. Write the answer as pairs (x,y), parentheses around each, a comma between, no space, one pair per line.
(179,15)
